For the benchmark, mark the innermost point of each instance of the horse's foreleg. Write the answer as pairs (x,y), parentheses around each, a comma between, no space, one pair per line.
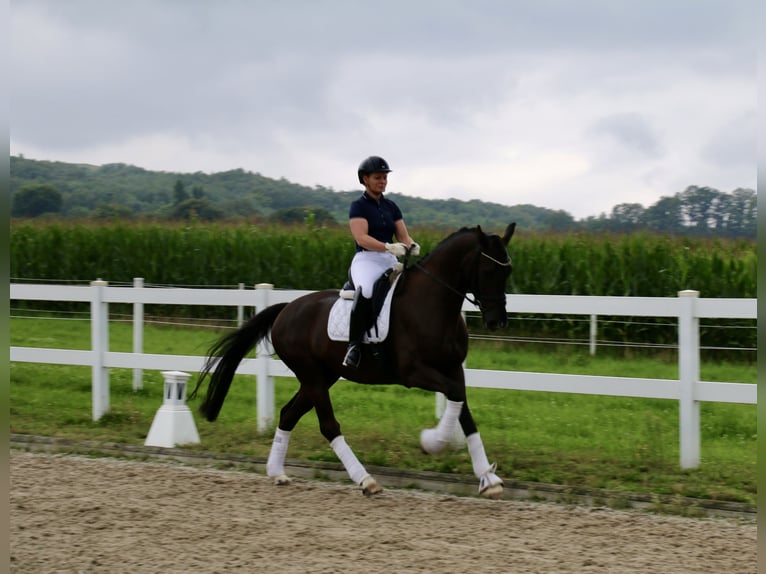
(433,441)
(490,485)
(451,382)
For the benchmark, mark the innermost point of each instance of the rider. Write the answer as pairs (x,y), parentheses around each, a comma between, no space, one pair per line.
(374,221)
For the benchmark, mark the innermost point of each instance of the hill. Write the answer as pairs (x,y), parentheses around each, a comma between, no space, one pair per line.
(119,190)
(115,189)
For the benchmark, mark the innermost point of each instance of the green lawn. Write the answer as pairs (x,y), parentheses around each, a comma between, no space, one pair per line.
(616,443)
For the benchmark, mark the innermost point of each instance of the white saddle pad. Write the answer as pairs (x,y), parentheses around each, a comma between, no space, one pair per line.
(338,321)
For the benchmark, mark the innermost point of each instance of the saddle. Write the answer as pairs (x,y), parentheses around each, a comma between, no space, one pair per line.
(377,323)
(348,289)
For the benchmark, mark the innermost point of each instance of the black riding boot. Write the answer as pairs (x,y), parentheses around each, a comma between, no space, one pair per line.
(360,310)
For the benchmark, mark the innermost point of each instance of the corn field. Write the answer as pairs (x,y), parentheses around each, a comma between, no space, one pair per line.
(307,257)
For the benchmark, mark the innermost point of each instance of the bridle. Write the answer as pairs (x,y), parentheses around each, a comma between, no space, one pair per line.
(473,300)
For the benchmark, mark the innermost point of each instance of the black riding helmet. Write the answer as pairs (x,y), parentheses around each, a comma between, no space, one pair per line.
(372,164)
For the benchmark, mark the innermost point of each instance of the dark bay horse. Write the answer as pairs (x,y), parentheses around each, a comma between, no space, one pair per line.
(425,348)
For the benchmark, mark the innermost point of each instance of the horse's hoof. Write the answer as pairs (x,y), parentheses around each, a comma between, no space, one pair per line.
(494,492)
(370,486)
(491,485)
(282,480)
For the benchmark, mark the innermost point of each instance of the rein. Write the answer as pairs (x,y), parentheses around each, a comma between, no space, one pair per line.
(473,300)
(443,283)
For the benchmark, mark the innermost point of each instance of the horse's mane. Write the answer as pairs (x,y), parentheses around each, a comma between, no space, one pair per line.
(439,247)
(448,239)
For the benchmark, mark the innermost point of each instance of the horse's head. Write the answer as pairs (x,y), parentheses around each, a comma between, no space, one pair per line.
(472,261)
(492,269)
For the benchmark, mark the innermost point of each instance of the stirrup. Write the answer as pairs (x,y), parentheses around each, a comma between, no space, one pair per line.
(353,356)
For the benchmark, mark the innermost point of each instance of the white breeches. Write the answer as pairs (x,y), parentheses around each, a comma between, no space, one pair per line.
(367,266)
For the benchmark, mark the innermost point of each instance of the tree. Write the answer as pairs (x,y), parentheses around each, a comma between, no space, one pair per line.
(179,192)
(743,213)
(240,207)
(309,215)
(558,220)
(112,211)
(665,216)
(36,199)
(701,208)
(627,216)
(192,209)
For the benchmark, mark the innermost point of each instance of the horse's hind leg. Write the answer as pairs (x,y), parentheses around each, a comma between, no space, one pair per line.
(291,413)
(330,429)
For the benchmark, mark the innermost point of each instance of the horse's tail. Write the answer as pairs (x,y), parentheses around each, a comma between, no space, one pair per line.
(225,356)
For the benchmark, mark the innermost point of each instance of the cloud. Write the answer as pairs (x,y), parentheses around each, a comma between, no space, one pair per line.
(631,131)
(734,143)
(547,102)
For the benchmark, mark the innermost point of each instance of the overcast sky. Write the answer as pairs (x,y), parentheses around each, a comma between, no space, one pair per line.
(567,104)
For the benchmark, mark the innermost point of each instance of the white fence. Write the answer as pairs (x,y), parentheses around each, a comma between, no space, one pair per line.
(687,308)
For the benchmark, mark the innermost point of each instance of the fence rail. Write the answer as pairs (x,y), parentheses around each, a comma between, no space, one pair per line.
(688,308)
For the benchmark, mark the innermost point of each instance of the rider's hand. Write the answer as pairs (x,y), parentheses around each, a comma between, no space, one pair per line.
(414,249)
(398,249)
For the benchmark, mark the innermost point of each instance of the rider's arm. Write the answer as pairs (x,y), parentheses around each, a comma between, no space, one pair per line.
(359,229)
(401,233)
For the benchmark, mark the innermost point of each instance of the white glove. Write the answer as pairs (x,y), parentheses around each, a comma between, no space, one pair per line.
(414,249)
(398,249)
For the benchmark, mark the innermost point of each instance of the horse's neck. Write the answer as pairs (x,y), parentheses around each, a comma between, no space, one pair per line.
(444,282)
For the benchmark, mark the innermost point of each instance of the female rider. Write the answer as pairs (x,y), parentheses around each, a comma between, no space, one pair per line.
(374,221)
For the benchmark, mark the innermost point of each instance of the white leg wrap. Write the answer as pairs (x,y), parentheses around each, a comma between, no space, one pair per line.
(490,484)
(275,465)
(354,468)
(478,456)
(434,440)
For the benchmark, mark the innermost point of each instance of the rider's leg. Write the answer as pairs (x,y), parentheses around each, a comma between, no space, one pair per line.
(366,267)
(357,324)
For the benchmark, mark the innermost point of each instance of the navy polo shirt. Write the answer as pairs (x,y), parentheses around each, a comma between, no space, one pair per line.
(380,215)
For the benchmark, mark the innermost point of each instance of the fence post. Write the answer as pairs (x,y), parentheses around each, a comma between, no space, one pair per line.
(138,334)
(99,340)
(265,382)
(593,331)
(240,309)
(688,374)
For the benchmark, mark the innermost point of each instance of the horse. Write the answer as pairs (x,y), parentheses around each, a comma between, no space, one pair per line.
(425,348)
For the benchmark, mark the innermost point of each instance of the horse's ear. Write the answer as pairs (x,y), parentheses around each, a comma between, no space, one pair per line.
(509,233)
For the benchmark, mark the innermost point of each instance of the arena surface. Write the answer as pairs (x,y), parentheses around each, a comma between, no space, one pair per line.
(78,515)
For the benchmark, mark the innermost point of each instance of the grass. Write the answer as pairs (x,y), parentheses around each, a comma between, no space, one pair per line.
(626,444)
